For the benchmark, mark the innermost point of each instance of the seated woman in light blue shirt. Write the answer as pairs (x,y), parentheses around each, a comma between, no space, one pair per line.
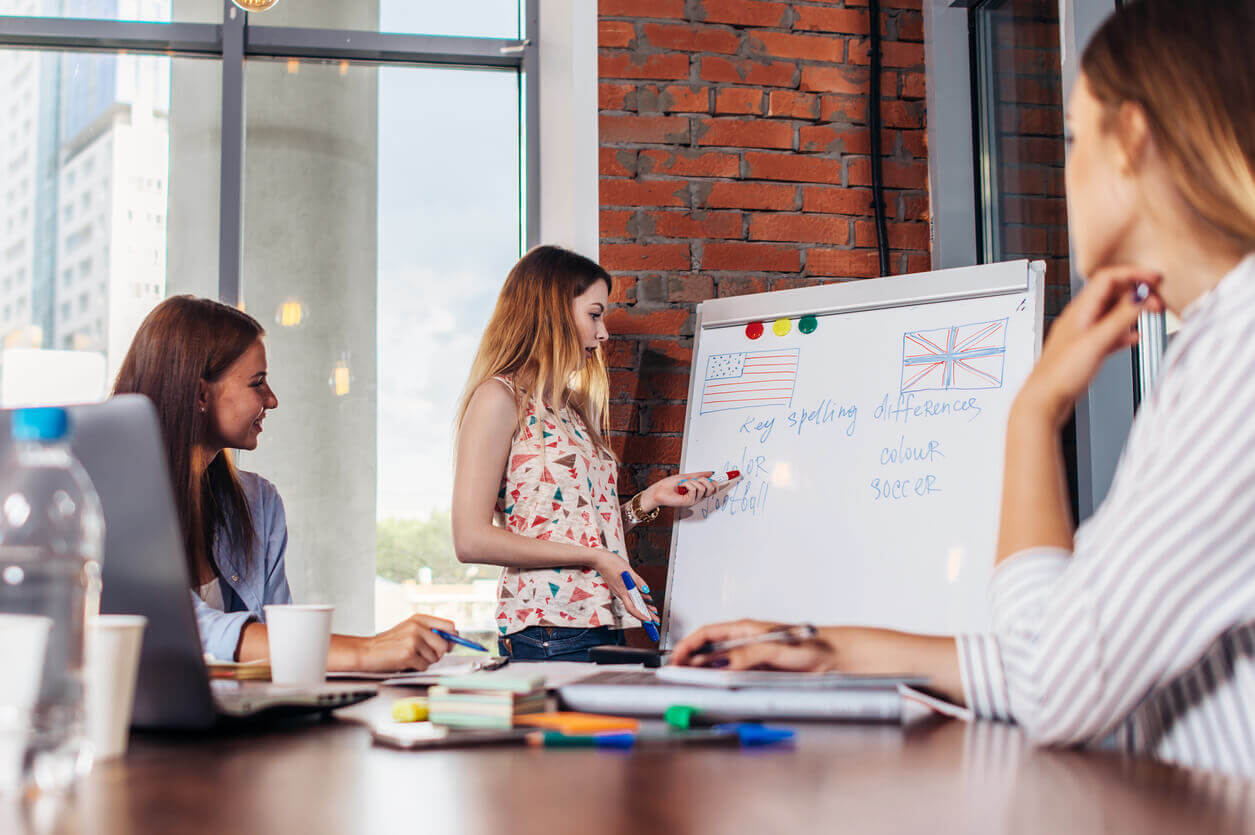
(203,364)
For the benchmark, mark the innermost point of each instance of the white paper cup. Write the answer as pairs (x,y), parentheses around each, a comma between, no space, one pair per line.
(113,645)
(300,636)
(23,645)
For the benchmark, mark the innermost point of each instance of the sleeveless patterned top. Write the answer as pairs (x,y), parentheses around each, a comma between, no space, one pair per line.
(559,487)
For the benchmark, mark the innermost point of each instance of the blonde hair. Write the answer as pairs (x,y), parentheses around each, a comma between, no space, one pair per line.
(532,339)
(1190,66)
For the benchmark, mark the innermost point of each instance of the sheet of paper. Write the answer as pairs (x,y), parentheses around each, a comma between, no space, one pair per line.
(555,673)
(450,665)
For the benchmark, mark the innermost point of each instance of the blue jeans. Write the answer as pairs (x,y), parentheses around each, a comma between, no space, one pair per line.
(557,643)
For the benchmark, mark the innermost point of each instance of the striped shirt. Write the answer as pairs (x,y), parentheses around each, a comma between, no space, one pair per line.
(1145,634)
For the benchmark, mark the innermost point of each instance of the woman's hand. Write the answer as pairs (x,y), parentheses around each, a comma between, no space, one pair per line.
(1100,320)
(663,493)
(410,645)
(849,649)
(611,567)
(812,655)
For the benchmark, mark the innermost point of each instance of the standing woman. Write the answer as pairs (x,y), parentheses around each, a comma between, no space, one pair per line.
(532,455)
(1140,625)
(203,365)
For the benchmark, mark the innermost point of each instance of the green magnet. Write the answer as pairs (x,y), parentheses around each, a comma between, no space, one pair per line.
(807,324)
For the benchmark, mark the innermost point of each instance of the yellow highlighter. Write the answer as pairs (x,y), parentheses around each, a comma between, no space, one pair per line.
(413,709)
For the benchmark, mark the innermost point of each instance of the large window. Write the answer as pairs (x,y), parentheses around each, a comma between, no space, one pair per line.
(378,246)
(1019,84)
(362,194)
(85,173)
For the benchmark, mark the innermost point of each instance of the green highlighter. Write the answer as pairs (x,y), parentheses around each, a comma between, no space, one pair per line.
(685,717)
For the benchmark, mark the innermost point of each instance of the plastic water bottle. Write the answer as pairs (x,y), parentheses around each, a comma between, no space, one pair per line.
(51,541)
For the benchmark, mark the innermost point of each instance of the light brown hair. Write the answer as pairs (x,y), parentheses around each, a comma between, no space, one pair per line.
(182,341)
(1190,66)
(533,339)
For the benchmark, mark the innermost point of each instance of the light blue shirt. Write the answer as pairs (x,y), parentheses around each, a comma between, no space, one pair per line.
(248,581)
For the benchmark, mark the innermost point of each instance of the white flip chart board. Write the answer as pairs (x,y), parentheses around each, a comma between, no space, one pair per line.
(867,420)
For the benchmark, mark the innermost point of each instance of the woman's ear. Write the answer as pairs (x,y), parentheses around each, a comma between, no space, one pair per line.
(1132,137)
(203,396)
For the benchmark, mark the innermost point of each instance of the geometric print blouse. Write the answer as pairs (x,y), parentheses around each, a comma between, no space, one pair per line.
(558,487)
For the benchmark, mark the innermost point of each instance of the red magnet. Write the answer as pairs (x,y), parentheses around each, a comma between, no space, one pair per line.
(754,330)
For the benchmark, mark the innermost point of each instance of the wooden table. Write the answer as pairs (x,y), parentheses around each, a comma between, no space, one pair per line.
(944,777)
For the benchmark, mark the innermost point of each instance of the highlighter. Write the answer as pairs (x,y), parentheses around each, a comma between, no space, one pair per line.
(639,602)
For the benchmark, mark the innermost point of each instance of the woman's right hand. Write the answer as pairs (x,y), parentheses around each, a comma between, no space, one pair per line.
(611,567)
(410,645)
(813,655)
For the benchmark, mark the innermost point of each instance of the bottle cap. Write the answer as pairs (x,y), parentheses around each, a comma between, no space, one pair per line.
(46,423)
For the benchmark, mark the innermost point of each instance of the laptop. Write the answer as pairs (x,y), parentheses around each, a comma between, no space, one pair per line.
(144,572)
(734,696)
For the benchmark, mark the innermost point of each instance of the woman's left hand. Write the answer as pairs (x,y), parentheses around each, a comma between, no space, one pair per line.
(663,493)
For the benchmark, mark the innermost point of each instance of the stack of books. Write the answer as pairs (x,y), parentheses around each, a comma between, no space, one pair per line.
(485,700)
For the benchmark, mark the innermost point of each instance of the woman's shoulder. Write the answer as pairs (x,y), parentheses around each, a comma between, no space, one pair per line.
(496,394)
(261,493)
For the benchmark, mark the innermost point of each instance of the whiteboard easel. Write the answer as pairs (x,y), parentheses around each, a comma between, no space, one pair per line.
(871,448)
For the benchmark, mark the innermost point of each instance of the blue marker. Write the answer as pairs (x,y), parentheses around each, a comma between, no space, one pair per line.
(460,641)
(651,629)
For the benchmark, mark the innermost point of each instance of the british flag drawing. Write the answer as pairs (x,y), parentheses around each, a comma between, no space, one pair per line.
(749,379)
(959,357)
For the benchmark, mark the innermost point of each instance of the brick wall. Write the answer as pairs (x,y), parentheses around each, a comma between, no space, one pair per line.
(735,158)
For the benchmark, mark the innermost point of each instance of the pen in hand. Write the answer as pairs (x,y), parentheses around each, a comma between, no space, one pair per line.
(790,634)
(460,641)
(651,628)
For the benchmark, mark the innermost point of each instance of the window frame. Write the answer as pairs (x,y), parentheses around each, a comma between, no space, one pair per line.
(234,41)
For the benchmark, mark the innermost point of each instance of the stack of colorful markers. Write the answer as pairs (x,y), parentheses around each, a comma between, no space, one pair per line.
(485,701)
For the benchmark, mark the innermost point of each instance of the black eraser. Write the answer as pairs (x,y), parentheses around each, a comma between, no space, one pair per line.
(611,654)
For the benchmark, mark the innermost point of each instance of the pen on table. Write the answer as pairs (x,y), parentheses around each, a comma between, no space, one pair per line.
(460,641)
(744,734)
(790,634)
(651,628)
(720,479)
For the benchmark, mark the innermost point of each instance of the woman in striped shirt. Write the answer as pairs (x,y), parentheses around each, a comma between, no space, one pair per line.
(1139,628)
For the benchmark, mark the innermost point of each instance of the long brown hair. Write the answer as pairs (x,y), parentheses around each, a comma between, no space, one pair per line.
(533,339)
(1190,66)
(182,341)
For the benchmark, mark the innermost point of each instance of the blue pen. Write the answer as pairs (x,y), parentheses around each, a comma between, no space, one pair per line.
(651,629)
(460,641)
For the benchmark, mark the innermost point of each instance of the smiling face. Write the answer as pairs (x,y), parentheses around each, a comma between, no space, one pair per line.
(237,402)
(589,309)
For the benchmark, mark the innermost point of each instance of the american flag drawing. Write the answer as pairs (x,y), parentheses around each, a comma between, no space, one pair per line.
(959,357)
(749,379)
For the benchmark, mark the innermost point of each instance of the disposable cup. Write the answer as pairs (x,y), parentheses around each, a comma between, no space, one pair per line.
(300,636)
(23,645)
(113,645)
